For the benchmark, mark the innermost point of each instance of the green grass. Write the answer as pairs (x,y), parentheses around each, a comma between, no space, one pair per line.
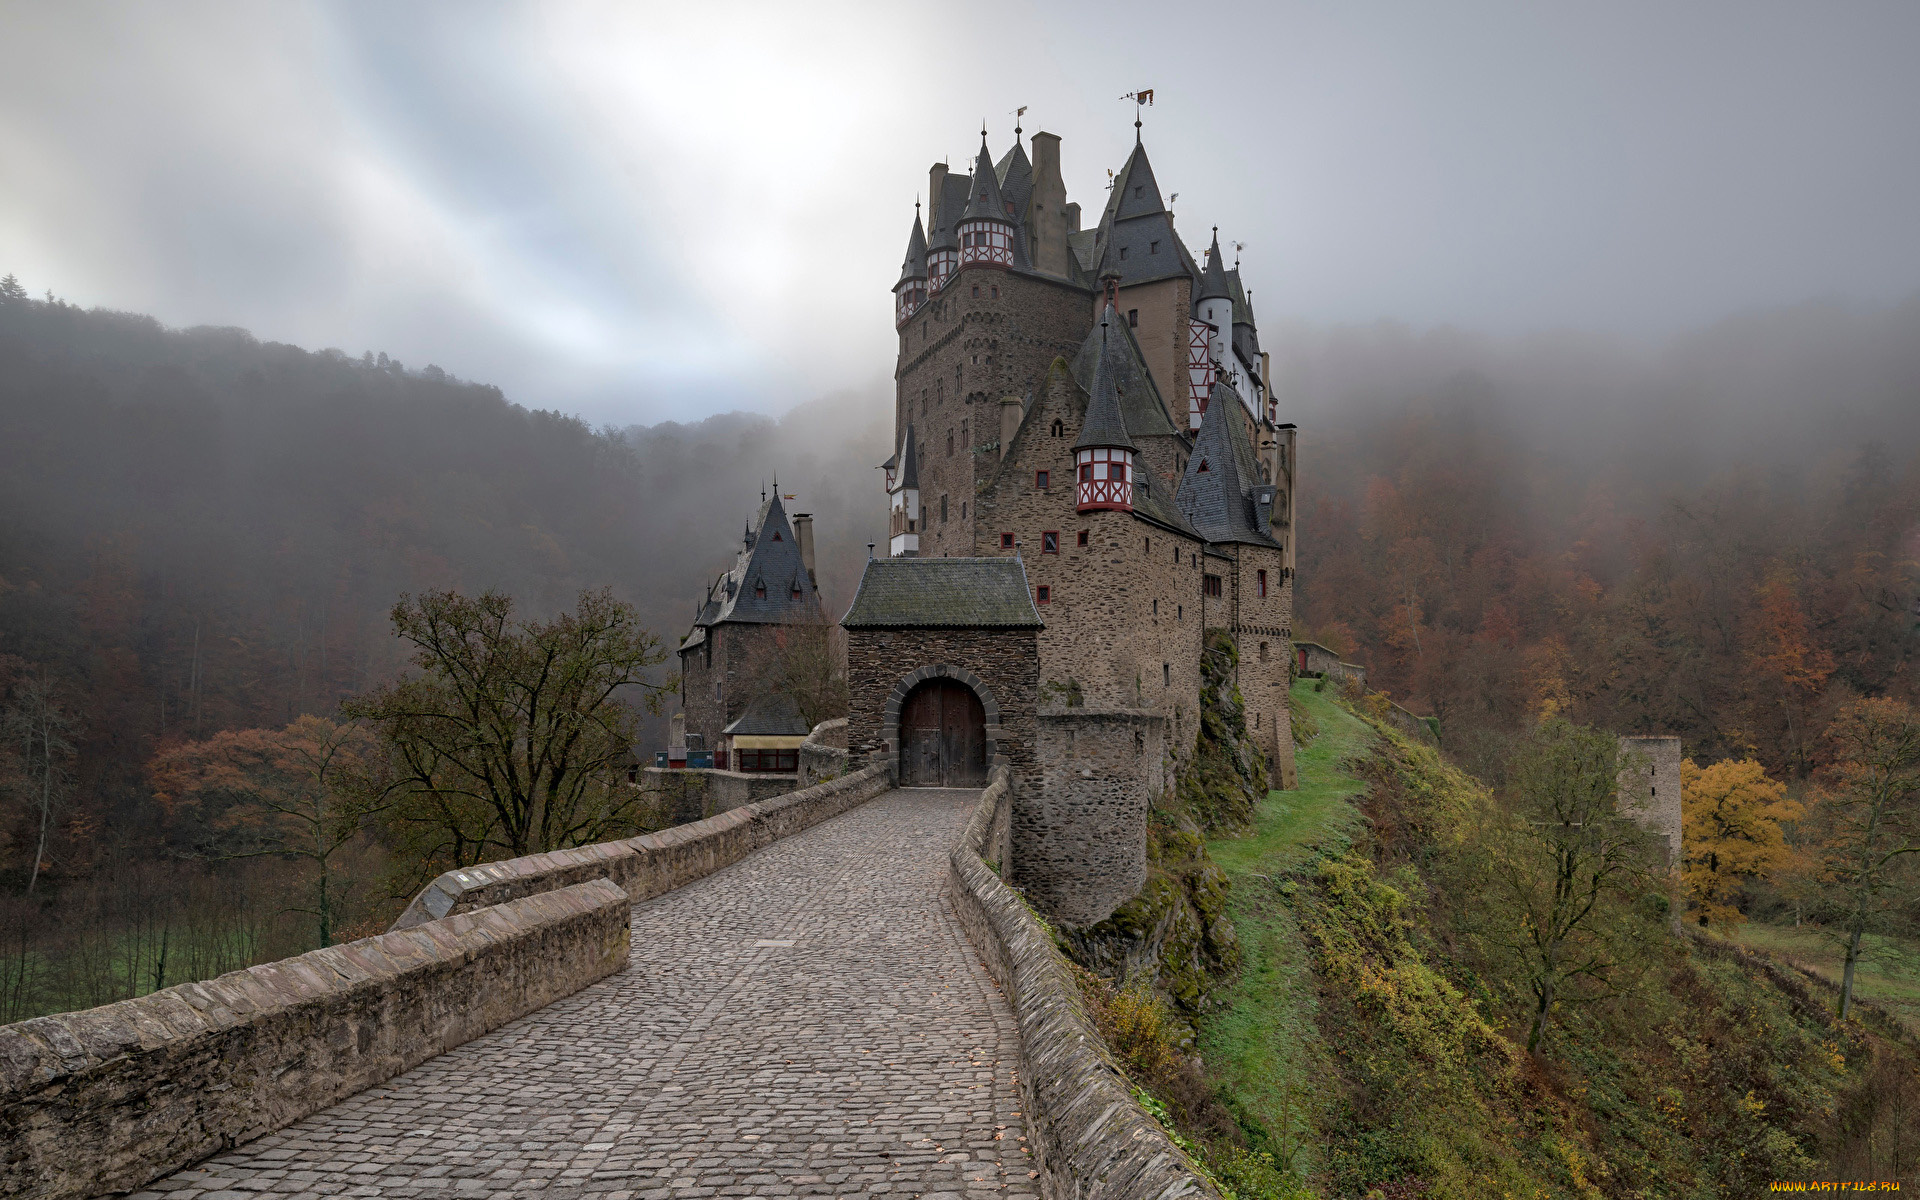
(1888,975)
(1262,1045)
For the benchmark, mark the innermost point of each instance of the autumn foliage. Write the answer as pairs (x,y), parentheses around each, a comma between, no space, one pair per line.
(1734,829)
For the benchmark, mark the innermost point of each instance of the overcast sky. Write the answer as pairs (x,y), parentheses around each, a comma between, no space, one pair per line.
(641,212)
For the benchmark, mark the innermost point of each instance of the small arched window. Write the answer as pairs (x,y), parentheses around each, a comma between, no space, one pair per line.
(1059,427)
(760,590)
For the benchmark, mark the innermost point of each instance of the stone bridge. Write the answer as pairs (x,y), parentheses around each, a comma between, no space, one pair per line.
(856,1007)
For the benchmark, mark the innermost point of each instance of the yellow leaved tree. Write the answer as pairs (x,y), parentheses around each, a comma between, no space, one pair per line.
(1731,815)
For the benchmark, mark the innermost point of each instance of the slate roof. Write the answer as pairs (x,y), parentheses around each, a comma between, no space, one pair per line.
(943,593)
(771,558)
(1213,280)
(770,715)
(1016,178)
(943,213)
(1140,403)
(1216,493)
(1104,426)
(984,199)
(909,462)
(915,265)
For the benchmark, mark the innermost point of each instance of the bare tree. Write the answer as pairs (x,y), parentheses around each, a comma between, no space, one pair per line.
(1563,875)
(1866,821)
(35,722)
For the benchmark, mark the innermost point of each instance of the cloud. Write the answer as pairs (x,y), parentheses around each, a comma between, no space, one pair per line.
(647,211)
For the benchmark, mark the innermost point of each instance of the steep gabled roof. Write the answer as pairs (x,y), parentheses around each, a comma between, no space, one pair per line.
(915,264)
(772,714)
(936,593)
(1216,493)
(1140,403)
(770,561)
(1015,174)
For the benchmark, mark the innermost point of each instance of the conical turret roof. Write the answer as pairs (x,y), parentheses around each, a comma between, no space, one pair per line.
(1104,426)
(986,202)
(1213,280)
(1216,492)
(915,265)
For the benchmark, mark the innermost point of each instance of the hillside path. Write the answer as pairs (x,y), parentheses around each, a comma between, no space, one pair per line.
(872,1056)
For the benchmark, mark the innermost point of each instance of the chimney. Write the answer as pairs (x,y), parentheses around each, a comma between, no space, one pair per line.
(1073,217)
(1047,210)
(936,188)
(803,535)
(1011,410)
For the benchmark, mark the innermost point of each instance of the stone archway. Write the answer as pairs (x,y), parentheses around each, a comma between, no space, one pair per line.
(897,719)
(943,736)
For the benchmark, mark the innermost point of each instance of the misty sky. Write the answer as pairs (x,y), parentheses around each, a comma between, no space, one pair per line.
(641,212)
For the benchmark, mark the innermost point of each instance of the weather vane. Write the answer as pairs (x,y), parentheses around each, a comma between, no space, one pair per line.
(1141,99)
(1017,114)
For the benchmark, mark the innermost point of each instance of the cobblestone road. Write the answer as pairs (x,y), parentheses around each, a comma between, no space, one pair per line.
(873,1055)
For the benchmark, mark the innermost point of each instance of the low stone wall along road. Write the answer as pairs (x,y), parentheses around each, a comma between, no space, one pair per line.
(808,1021)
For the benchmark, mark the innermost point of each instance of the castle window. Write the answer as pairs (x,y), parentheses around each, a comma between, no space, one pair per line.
(1179,612)
(1006,541)
(1153,247)
(1156,607)
(1263,595)
(963,510)
(1050,542)
(1176,556)
(1059,428)
(943,510)
(777,537)
(949,443)
(796,589)
(993,293)
(1133,318)
(1139,191)
(1210,585)
(1043,594)
(1146,546)
(1123,252)
(1166,673)
(760,591)
(1202,468)
(1263,652)
(976,291)
(1083,537)
(1040,480)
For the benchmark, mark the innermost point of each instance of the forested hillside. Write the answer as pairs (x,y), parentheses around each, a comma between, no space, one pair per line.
(1721,543)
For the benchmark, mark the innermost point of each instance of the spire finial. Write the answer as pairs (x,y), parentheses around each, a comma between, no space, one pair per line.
(1017,114)
(763,491)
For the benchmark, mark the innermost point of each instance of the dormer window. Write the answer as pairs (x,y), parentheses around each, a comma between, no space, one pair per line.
(796,591)
(777,537)
(760,591)
(1123,252)
(1202,468)
(1140,191)
(1153,247)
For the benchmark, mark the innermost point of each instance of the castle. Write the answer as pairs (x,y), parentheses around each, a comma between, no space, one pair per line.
(1090,480)
(1095,402)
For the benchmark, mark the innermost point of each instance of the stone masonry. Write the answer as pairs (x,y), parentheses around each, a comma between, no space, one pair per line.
(1650,788)
(809,1021)
(879,661)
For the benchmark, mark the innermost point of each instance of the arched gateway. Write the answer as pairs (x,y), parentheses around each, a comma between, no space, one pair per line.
(943,736)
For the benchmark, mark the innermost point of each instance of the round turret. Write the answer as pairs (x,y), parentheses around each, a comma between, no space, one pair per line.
(986,229)
(1103,454)
(911,292)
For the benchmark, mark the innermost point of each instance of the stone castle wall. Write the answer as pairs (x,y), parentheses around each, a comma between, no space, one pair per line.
(1650,787)
(714,695)
(1080,841)
(958,356)
(1123,617)
(111,1099)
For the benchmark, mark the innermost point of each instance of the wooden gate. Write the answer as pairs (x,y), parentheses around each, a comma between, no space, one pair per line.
(943,737)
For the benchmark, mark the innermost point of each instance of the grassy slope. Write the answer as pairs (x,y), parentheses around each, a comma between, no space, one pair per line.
(1356,1048)
(1889,976)
(1264,1048)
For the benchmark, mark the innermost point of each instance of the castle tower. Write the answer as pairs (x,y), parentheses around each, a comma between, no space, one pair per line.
(911,292)
(1209,335)
(1103,454)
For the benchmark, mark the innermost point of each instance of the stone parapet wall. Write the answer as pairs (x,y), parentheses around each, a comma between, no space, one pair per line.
(683,795)
(824,754)
(1090,1137)
(654,863)
(109,1099)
